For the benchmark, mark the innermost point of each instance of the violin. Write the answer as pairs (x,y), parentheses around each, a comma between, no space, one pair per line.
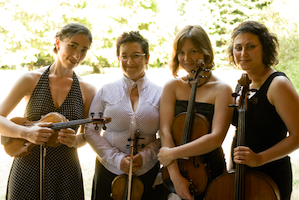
(18,147)
(189,126)
(127,187)
(242,183)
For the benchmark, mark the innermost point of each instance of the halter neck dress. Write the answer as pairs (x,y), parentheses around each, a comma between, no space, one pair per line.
(63,176)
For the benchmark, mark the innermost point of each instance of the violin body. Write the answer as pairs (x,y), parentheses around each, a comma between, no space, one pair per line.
(18,147)
(193,169)
(119,187)
(127,187)
(259,186)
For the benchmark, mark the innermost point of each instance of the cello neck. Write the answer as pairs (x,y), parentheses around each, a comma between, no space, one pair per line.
(239,193)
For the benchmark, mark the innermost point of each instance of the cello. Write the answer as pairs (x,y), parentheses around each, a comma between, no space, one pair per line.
(127,187)
(189,126)
(242,183)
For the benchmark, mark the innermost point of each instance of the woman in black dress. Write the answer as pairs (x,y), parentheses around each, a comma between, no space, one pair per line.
(191,46)
(272,111)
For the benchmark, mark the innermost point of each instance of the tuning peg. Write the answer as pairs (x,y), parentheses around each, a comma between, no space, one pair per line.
(96,127)
(100,114)
(104,126)
(92,114)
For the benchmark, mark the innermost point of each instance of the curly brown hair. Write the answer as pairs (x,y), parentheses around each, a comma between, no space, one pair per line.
(268,41)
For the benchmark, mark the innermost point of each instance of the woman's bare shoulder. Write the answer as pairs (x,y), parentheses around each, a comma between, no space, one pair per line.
(31,77)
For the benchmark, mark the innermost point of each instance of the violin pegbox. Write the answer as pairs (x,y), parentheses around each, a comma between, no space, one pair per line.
(99,120)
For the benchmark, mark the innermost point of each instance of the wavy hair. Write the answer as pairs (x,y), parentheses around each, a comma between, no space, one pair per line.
(268,41)
(200,40)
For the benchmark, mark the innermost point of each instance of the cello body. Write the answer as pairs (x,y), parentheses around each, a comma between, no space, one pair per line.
(259,186)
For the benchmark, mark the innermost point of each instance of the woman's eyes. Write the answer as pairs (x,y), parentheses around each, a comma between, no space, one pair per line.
(190,52)
(238,48)
(249,47)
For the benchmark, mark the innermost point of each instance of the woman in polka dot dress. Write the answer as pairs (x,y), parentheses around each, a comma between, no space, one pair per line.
(55,88)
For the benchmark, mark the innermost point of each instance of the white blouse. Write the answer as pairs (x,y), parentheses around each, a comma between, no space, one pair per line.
(113,100)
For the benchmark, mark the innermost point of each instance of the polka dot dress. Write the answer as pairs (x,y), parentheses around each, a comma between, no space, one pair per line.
(63,177)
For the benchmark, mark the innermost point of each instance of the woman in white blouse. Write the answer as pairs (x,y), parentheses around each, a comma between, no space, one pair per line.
(133,105)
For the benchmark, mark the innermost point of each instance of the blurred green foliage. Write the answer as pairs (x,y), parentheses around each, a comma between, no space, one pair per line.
(27,28)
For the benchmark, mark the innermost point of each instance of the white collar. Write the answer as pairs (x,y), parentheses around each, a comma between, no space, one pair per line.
(140,83)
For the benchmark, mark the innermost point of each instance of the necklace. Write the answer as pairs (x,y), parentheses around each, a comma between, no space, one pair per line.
(189,79)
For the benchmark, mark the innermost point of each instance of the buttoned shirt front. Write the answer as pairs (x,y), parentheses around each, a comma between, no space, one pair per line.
(113,100)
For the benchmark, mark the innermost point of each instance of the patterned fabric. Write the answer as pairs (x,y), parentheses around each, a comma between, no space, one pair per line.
(114,101)
(63,177)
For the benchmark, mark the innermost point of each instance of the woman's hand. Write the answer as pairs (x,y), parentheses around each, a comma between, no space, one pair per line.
(137,162)
(38,134)
(125,163)
(244,155)
(67,137)
(165,156)
(181,186)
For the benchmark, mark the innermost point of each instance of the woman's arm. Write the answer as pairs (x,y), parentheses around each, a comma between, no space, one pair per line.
(221,121)
(23,87)
(98,143)
(167,113)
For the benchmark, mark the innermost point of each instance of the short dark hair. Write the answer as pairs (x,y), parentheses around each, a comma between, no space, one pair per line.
(71,30)
(132,36)
(200,40)
(268,41)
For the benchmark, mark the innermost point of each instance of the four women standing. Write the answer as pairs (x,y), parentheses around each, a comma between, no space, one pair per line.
(134,105)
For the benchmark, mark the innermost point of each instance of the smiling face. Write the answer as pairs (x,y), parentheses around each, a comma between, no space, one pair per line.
(133,68)
(72,51)
(248,51)
(188,56)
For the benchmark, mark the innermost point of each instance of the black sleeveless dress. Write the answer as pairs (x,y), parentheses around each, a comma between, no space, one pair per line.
(63,176)
(263,129)
(214,159)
